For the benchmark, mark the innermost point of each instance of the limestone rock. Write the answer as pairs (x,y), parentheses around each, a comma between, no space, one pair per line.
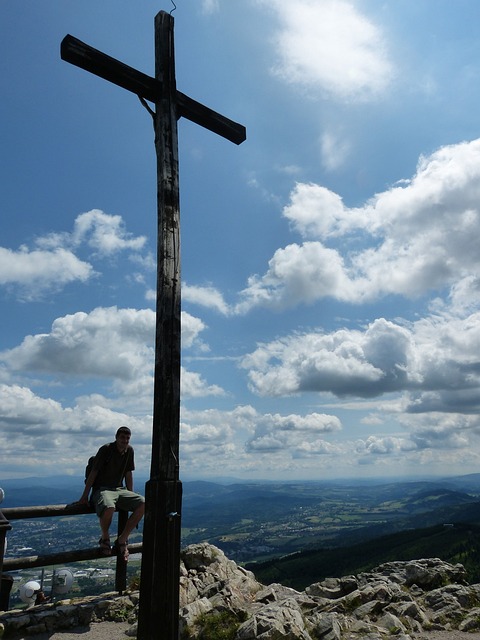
(190,613)
(394,599)
(274,622)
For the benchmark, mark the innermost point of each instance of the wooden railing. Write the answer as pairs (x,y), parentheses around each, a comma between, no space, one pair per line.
(64,557)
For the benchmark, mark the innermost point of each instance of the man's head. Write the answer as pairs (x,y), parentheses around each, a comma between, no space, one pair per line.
(122,437)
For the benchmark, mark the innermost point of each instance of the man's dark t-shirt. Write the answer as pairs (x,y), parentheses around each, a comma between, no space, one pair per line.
(112,466)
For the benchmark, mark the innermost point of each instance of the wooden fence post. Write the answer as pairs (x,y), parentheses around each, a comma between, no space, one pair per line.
(121,565)
(5,580)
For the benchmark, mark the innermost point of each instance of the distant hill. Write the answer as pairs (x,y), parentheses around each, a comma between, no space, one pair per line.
(32,492)
(457,543)
(261,521)
(450,507)
(469,482)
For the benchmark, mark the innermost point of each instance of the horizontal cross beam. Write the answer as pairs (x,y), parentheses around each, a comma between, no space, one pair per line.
(86,57)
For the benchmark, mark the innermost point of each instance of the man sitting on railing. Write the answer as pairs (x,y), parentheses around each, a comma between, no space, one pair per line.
(113,464)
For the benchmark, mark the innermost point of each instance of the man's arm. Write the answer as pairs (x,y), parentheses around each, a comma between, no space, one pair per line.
(88,485)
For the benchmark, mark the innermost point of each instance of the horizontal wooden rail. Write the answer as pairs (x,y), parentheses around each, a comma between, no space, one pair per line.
(27,562)
(46,511)
(64,557)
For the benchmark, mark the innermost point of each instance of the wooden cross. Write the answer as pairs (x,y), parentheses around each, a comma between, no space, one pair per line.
(160,575)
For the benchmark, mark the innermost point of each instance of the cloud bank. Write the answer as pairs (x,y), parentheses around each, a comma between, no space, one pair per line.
(417,237)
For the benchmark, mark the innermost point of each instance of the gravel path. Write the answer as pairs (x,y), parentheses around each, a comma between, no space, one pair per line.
(444,635)
(116,631)
(95,631)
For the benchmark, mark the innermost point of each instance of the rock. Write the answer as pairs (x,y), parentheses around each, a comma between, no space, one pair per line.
(190,613)
(274,622)
(64,614)
(275,592)
(471,622)
(369,609)
(202,555)
(326,627)
(410,610)
(433,573)
(391,600)
(391,623)
(333,588)
(210,573)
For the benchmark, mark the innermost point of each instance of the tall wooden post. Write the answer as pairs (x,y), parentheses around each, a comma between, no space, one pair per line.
(160,577)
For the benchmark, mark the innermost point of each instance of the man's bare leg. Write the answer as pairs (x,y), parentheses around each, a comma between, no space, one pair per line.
(121,544)
(106,521)
(131,523)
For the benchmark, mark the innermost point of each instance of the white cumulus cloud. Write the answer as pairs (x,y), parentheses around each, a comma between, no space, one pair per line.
(299,435)
(106,342)
(36,271)
(330,46)
(429,366)
(105,233)
(206,297)
(53,263)
(114,344)
(418,237)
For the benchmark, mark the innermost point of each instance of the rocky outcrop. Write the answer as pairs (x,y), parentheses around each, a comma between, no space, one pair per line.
(67,614)
(396,598)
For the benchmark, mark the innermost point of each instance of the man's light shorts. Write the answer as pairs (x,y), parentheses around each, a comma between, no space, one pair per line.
(120,498)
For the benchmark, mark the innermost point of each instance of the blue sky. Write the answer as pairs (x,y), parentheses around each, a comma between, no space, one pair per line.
(330,263)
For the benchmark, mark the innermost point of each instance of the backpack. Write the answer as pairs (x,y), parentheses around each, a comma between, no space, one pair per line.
(91,460)
(89,467)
